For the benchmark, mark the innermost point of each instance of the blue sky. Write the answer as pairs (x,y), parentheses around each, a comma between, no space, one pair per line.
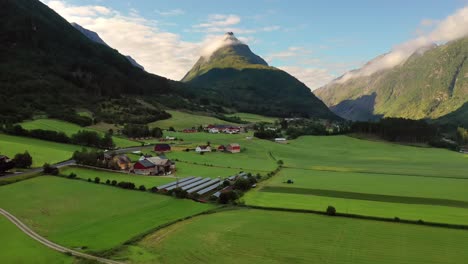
(331,36)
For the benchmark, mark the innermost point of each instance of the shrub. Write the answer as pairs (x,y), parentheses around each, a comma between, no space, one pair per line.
(48,169)
(331,210)
(89,180)
(226,183)
(108,182)
(142,188)
(97,180)
(23,160)
(154,189)
(226,197)
(280,163)
(114,182)
(396,219)
(72,175)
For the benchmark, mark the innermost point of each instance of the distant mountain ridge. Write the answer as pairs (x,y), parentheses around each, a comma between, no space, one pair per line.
(432,83)
(246,82)
(96,38)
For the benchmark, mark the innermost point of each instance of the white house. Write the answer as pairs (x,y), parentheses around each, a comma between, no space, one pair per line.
(203,149)
(281,140)
(213,130)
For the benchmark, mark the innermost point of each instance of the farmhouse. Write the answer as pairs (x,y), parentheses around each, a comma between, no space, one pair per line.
(233,148)
(123,161)
(281,140)
(170,138)
(203,148)
(221,148)
(144,167)
(228,129)
(154,166)
(213,130)
(464,150)
(190,130)
(6,163)
(162,148)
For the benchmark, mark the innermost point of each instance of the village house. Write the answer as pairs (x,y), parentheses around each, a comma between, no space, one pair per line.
(170,138)
(233,148)
(213,130)
(162,148)
(203,148)
(123,161)
(154,166)
(464,150)
(281,140)
(221,148)
(144,167)
(190,130)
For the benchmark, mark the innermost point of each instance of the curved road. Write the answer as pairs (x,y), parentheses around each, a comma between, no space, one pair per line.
(50,244)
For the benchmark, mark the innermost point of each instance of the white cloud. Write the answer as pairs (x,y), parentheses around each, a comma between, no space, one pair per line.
(312,77)
(451,28)
(160,52)
(219,20)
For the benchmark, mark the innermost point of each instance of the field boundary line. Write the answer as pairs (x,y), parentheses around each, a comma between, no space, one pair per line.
(382,173)
(25,229)
(362,217)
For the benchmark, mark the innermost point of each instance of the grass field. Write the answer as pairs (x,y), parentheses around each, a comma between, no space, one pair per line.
(253,118)
(181,120)
(346,154)
(368,178)
(40,150)
(94,217)
(70,129)
(253,236)
(17,247)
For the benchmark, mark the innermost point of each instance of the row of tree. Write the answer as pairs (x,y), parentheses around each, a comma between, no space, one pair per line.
(136,130)
(398,129)
(94,158)
(82,137)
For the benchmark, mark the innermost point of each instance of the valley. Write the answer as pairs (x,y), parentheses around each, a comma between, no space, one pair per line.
(153,133)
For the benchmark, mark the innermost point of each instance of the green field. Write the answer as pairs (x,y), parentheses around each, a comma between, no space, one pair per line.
(254,236)
(90,216)
(253,118)
(40,150)
(181,120)
(368,178)
(17,247)
(70,129)
(346,154)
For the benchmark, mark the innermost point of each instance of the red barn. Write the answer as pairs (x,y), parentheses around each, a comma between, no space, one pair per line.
(144,167)
(162,148)
(221,148)
(233,148)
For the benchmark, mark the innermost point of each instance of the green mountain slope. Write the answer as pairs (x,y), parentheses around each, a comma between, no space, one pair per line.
(430,85)
(48,66)
(244,81)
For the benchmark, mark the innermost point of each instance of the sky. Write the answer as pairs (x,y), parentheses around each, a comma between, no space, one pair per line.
(315,41)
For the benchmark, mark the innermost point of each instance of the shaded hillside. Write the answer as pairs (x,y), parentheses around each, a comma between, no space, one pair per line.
(428,85)
(48,66)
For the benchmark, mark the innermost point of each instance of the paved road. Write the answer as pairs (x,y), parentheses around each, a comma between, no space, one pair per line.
(36,170)
(50,244)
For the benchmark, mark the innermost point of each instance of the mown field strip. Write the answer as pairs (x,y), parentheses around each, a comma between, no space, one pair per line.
(366,196)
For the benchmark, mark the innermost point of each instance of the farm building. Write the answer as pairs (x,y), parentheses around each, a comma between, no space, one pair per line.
(154,166)
(170,138)
(221,148)
(164,166)
(464,150)
(281,140)
(203,149)
(123,161)
(190,130)
(233,148)
(228,129)
(162,148)
(213,130)
(6,163)
(144,167)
